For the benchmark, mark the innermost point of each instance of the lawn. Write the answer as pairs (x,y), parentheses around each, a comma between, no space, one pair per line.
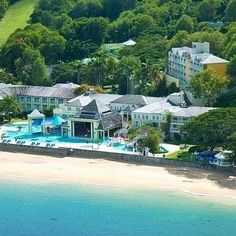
(181,155)
(16,16)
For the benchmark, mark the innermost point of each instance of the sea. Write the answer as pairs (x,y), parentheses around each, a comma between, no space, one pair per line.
(32,209)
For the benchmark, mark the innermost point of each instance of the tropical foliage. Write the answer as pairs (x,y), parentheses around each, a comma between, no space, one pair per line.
(216,128)
(146,136)
(63,33)
(9,107)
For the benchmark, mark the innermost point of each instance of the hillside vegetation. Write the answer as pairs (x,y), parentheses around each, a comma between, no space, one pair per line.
(16,16)
(63,33)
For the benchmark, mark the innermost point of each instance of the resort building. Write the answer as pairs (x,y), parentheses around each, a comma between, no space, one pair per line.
(172,107)
(93,121)
(185,62)
(39,97)
(181,116)
(74,105)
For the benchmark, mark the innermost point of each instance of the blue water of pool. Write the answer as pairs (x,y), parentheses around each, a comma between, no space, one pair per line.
(20,132)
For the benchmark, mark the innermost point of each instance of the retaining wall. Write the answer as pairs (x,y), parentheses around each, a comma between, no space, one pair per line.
(121,157)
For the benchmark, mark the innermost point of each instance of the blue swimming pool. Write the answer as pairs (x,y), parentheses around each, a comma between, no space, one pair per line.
(19,132)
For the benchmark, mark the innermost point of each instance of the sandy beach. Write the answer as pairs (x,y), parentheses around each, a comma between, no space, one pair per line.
(43,169)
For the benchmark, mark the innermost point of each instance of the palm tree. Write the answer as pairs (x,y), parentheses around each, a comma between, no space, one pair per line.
(156,74)
(9,107)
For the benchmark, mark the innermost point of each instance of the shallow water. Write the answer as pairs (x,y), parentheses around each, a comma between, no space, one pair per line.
(59,209)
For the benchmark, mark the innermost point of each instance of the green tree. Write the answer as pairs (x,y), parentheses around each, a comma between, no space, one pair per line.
(231,145)
(10,107)
(48,112)
(228,98)
(207,9)
(127,70)
(208,85)
(87,8)
(211,128)
(185,23)
(231,69)
(146,136)
(64,72)
(3,7)
(230,14)
(30,68)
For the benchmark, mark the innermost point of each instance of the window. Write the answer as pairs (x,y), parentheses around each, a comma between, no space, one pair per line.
(77,108)
(134,116)
(147,117)
(22,99)
(28,99)
(36,106)
(45,100)
(28,106)
(36,100)
(60,101)
(52,100)
(68,108)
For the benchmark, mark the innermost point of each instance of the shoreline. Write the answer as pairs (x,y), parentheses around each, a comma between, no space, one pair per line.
(36,169)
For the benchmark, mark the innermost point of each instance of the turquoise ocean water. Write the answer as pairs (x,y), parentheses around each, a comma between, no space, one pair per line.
(59,209)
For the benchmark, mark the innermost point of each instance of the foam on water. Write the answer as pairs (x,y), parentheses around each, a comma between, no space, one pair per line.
(59,209)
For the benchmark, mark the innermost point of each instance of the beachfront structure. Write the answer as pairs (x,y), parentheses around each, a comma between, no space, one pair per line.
(180,116)
(73,106)
(173,107)
(185,62)
(93,121)
(38,118)
(39,97)
(38,123)
(221,159)
(130,102)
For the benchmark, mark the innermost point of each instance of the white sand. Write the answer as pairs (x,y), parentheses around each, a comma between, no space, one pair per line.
(41,169)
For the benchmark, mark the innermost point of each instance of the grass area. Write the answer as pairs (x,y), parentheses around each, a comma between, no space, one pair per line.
(13,120)
(17,16)
(181,155)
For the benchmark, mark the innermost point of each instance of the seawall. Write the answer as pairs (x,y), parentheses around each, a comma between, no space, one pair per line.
(121,157)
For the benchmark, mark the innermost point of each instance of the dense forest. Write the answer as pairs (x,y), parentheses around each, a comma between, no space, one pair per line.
(64,32)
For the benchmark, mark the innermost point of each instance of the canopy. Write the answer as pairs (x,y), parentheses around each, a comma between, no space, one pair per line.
(54,121)
(37,122)
(130,42)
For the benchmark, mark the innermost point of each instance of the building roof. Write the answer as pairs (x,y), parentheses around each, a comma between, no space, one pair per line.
(131,99)
(36,114)
(92,111)
(129,42)
(67,85)
(100,112)
(191,111)
(158,107)
(203,58)
(211,59)
(41,91)
(104,98)
(79,101)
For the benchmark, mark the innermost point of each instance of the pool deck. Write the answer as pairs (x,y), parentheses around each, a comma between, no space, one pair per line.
(85,146)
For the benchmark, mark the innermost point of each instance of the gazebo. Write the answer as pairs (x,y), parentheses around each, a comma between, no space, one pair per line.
(38,119)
